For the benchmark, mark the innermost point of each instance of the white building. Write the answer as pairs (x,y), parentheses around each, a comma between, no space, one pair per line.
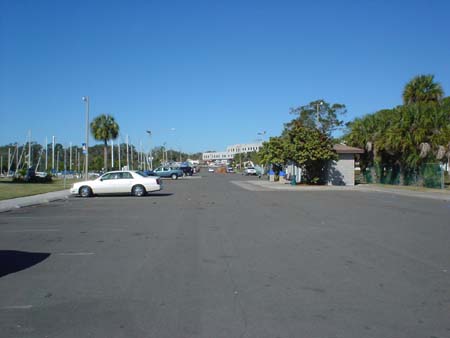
(231,151)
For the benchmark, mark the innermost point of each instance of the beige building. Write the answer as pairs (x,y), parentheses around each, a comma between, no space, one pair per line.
(342,171)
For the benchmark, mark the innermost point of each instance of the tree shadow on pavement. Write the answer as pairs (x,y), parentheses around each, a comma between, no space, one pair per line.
(12,261)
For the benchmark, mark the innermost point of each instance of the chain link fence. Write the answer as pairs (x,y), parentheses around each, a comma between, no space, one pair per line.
(429,175)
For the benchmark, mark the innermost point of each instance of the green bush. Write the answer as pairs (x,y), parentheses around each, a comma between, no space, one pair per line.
(35,179)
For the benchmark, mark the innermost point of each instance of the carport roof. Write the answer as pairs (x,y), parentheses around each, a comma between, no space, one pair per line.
(343,149)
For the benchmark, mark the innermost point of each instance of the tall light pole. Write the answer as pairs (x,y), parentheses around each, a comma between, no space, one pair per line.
(29,148)
(318,105)
(86,158)
(150,149)
(262,133)
(53,153)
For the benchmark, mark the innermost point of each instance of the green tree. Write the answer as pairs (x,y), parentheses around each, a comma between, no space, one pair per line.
(311,149)
(105,128)
(422,88)
(273,152)
(320,114)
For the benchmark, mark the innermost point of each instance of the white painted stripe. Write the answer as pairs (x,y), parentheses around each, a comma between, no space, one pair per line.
(75,253)
(34,230)
(17,307)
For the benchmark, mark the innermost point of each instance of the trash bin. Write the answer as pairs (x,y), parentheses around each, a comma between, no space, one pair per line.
(294,180)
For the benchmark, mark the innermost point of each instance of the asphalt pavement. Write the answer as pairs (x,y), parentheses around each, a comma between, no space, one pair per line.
(211,257)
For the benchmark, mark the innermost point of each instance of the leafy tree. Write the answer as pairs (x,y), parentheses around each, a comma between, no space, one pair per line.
(405,138)
(422,88)
(320,114)
(105,128)
(311,149)
(273,152)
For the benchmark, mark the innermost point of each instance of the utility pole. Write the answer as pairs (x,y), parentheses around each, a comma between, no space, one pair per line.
(57,160)
(78,161)
(150,148)
(29,148)
(70,156)
(9,161)
(17,158)
(128,156)
(118,150)
(86,168)
(319,104)
(46,154)
(112,154)
(53,153)
(65,168)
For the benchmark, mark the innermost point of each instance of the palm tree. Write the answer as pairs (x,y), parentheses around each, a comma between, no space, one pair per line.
(422,88)
(105,128)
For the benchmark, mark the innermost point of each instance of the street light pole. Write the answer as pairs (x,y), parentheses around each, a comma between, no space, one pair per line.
(86,169)
(320,103)
(150,149)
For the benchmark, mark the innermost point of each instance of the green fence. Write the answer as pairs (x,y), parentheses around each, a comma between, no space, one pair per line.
(429,175)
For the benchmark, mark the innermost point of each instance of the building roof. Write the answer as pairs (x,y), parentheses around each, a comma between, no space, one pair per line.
(343,149)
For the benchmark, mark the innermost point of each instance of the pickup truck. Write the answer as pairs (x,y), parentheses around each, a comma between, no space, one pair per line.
(168,172)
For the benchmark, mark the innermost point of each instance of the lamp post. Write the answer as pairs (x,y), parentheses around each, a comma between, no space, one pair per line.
(320,103)
(86,158)
(150,148)
(262,133)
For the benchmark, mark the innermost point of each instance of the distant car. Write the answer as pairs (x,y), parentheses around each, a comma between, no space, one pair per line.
(249,171)
(230,170)
(187,171)
(118,182)
(168,172)
(210,169)
(150,173)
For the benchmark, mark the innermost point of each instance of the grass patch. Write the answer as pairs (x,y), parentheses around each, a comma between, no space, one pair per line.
(9,190)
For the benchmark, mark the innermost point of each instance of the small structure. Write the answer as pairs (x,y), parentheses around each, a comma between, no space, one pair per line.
(342,171)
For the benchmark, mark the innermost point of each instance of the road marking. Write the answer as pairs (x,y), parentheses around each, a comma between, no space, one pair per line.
(31,230)
(75,253)
(17,307)
(248,186)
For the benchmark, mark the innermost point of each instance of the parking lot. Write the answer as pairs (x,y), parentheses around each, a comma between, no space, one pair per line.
(208,258)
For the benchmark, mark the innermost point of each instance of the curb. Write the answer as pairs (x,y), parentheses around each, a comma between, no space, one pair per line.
(371,189)
(28,201)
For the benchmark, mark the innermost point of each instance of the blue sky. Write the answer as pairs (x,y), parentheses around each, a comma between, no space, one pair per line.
(205,74)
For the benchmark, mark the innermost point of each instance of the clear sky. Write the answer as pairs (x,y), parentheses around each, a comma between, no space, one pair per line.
(202,75)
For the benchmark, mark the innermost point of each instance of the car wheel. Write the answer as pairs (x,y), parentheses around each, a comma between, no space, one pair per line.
(138,191)
(85,191)
(174,176)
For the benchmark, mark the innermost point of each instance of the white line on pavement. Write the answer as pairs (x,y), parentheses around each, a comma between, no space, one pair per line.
(31,230)
(17,307)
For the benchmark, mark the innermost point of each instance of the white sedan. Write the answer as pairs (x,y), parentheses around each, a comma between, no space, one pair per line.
(249,171)
(118,182)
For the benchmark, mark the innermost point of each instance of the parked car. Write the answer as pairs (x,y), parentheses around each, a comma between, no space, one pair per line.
(211,169)
(249,171)
(118,182)
(187,171)
(150,173)
(230,170)
(168,172)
